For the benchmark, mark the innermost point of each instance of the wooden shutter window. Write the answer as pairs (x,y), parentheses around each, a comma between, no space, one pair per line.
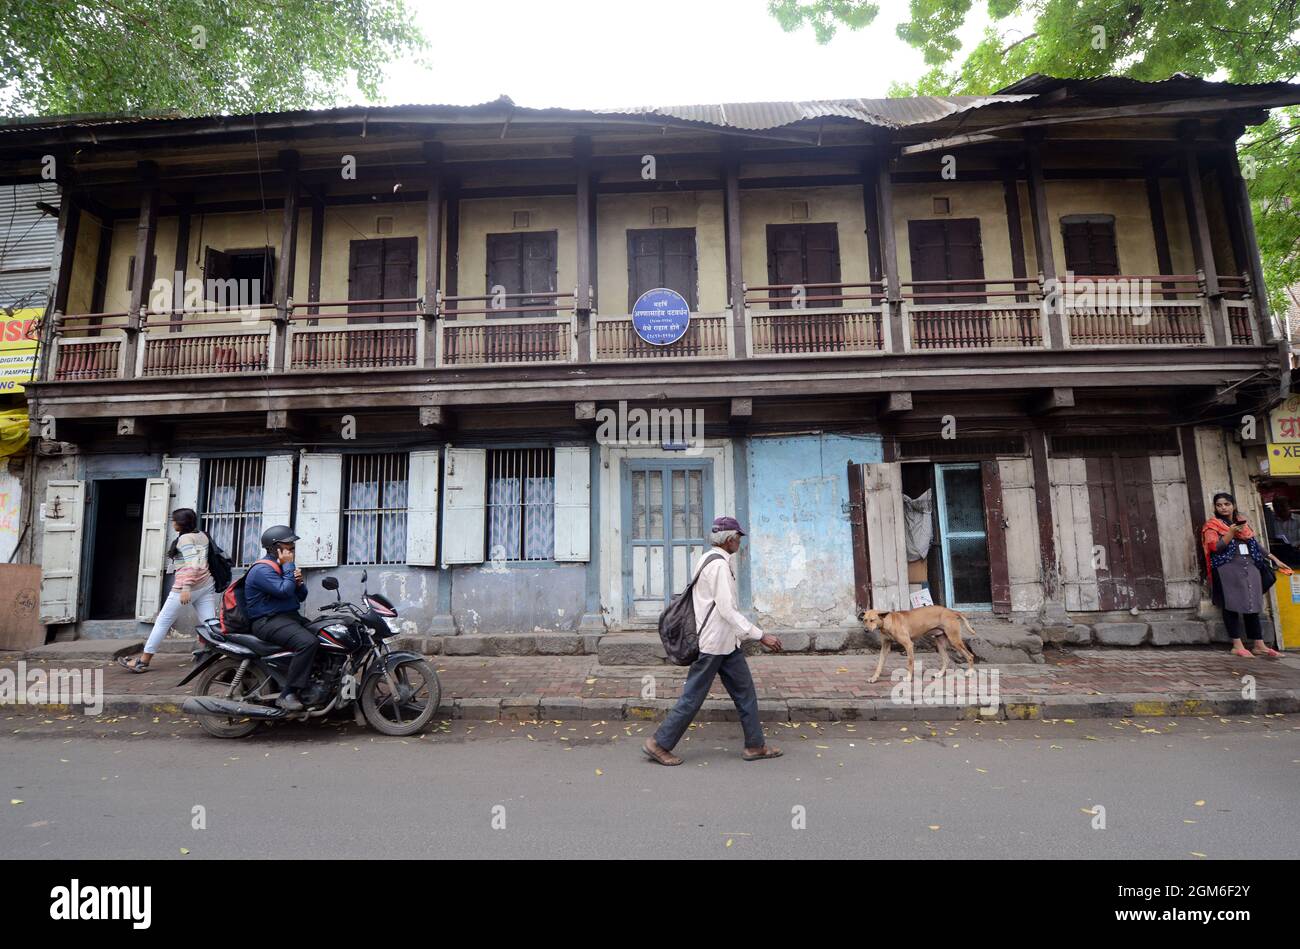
(1089,241)
(946,250)
(382,268)
(662,257)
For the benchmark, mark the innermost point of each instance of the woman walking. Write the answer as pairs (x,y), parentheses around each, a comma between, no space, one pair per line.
(193,587)
(1235,564)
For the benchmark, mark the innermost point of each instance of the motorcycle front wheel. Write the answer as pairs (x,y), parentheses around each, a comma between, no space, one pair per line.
(409,709)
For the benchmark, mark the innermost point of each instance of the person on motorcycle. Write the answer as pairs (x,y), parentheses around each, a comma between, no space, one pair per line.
(271,599)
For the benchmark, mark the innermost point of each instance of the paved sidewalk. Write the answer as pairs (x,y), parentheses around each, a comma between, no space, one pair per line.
(1080,684)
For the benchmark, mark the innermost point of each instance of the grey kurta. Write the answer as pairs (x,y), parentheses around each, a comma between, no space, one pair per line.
(1240,584)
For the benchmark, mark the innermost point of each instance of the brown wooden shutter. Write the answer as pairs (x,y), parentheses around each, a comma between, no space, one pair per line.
(994,521)
(799,254)
(216,266)
(365,276)
(946,250)
(965,258)
(539,270)
(821,259)
(1090,246)
(929,254)
(662,257)
(398,272)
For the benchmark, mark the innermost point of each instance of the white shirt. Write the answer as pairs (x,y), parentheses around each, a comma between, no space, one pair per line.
(727,627)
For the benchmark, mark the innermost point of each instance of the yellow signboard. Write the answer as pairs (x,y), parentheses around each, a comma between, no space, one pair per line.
(1283,459)
(17,349)
(1284,422)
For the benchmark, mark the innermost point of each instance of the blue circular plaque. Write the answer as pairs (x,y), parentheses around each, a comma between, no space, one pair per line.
(661,316)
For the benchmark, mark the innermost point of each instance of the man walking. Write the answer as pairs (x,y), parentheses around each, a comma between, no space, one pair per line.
(722,629)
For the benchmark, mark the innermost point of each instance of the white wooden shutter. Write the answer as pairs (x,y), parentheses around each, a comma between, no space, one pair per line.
(65,510)
(573,504)
(886,542)
(320,487)
(277,490)
(464,511)
(422,509)
(1024,556)
(153,548)
(1072,532)
(183,476)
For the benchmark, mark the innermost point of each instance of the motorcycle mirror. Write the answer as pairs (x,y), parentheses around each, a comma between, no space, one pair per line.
(329,583)
(363,579)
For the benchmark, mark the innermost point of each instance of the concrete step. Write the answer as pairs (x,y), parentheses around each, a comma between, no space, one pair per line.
(79,650)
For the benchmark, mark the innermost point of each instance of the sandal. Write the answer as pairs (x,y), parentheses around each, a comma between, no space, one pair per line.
(132,665)
(658,755)
(1270,652)
(760,755)
(1243,653)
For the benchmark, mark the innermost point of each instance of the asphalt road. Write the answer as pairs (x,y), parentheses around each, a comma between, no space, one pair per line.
(1171,788)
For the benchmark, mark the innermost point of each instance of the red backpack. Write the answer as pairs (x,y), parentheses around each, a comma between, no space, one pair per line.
(234,613)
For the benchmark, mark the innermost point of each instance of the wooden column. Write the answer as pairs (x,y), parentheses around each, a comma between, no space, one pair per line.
(60,275)
(453,239)
(1042,221)
(871,213)
(1159,227)
(1235,188)
(1198,223)
(288,257)
(582,208)
(1011,200)
(433,153)
(179,262)
(735,263)
(1053,597)
(102,255)
(146,233)
(889,255)
(315,252)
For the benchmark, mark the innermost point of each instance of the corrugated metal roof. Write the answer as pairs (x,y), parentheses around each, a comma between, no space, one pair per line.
(1179,84)
(758,116)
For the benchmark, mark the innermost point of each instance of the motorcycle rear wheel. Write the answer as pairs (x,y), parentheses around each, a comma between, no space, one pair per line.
(410,710)
(215,682)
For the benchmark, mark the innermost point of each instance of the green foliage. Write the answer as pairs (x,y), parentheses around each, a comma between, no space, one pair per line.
(195,57)
(824,16)
(1246,41)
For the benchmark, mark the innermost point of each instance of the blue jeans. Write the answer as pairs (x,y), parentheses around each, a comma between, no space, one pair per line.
(739,685)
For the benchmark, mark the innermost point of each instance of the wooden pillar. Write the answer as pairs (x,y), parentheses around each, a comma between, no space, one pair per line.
(736,267)
(315,252)
(179,262)
(889,255)
(1053,596)
(1011,200)
(1198,223)
(871,213)
(146,233)
(453,239)
(288,257)
(1042,221)
(1159,227)
(1237,197)
(103,254)
(60,276)
(433,153)
(582,208)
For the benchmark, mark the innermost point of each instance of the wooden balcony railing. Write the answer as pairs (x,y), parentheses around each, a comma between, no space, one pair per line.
(820,319)
(195,343)
(1136,310)
(708,336)
(364,334)
(958,315)
(506,329)
(87,357)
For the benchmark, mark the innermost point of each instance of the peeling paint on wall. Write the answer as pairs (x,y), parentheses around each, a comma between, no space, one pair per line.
(800,540)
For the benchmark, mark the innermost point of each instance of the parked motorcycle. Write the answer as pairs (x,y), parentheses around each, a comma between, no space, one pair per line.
(240,676)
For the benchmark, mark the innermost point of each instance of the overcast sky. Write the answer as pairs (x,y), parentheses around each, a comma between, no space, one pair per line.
(604,53)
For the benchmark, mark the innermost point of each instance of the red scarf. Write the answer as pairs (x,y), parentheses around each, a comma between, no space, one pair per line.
(1214,530)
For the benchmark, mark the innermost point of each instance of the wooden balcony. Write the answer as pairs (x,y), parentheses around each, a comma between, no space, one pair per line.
(779,322)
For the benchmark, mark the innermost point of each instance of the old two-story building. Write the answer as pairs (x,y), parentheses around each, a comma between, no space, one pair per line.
(998,347)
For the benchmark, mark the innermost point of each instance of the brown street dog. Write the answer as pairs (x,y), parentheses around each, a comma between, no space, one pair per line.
(906,626)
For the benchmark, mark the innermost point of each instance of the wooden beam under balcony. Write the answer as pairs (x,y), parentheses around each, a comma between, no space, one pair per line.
(288,161)
(1042,221)
(896,403)
(1198,222)
(1053,400)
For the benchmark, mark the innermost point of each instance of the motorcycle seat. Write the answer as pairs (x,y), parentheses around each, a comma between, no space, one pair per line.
(260,646)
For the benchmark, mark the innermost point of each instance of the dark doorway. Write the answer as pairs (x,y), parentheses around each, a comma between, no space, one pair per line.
(115,558)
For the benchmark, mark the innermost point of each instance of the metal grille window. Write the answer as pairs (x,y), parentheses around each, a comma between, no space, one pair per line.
(232,506)
(374,512)
(521,504)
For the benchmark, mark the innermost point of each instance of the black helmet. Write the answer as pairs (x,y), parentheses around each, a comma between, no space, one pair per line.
(279,534)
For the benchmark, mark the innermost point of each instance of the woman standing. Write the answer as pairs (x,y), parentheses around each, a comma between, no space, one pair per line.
(193,586)
(1234,562)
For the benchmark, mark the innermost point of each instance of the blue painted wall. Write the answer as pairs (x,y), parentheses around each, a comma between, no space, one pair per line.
(800,541)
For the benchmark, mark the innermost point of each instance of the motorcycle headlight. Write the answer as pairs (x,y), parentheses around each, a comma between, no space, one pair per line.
(393,623)
(337,629)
